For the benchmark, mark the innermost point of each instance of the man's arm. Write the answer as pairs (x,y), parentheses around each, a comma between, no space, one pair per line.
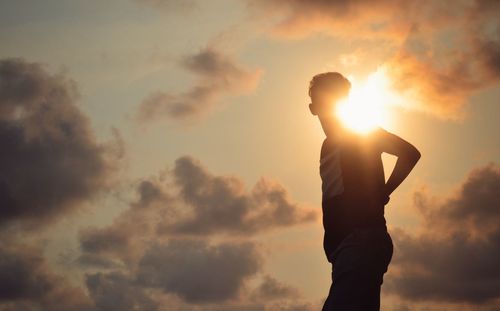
(407,155)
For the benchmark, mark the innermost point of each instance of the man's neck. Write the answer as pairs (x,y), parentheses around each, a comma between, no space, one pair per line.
(333,128)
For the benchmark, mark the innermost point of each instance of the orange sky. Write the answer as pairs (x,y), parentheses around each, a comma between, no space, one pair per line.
(153,147)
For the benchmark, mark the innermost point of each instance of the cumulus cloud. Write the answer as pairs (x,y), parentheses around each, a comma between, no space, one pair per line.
(189,200)
(115,291)
(188,233)
(197,271)
(222,204)
(110,240)
(218,75)
(454,259)
(123,242)
(271,289)
(26,283)
(444,51)
(50,159)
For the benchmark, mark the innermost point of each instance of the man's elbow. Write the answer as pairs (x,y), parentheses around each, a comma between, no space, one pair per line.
(414,155)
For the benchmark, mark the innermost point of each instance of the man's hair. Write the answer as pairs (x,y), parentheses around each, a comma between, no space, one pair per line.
(330,81)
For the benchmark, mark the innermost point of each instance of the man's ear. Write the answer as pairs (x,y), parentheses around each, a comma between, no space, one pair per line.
(312,108)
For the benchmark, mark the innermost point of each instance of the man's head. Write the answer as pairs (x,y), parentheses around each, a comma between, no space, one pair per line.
(325,90)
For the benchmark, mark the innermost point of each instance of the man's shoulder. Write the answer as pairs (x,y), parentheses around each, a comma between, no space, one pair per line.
(380,138)
(379,130)
(378,133)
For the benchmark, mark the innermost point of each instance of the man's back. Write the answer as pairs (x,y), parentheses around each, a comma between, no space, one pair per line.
(352,184)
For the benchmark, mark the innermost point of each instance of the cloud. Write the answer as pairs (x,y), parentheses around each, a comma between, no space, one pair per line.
(149,192)
(189,200)
(444,52)
(199,272)
(271,289)
(121,243)
(194,274)
(221,204)
(295,19)
(27,284)
(92,260)
(454,258)
(156,245)
(218,75)
(50,159)
(106,240)
(116,291)
(440,78)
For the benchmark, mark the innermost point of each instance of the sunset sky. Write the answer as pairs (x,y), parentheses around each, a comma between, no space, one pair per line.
(160,154)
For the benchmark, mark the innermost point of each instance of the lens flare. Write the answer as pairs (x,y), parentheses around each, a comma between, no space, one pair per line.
(366,106)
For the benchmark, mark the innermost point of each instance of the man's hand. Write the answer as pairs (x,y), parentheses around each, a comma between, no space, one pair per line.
(385,198)
(382,197)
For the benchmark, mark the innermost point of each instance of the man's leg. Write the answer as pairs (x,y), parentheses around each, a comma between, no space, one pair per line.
(382,256)
(326,305)
(357,273)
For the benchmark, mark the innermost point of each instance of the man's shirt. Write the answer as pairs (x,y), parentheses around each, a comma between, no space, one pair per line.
(353,179)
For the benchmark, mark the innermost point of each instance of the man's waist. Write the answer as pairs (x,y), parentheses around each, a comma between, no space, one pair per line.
(380,225)
(345,200)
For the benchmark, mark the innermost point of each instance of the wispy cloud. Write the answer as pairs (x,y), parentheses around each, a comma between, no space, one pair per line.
(218,75)
(445,51)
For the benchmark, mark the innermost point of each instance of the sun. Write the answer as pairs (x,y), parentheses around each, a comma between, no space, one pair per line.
(366,107)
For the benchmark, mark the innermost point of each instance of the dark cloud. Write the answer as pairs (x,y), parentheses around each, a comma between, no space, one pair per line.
(92,260)
(149,192)
(50,160)
(188,233)
(220,204)
(197,271)
(104,240)
(271,289)
(218,75)
(115,291)
(189,200)
(445,51)
(122,242)
(26,283)
(194,274)
(455,256)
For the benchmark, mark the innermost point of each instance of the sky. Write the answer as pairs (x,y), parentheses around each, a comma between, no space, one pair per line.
(160,154)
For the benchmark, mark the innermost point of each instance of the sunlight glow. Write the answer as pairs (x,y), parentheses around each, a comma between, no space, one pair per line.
(366,106)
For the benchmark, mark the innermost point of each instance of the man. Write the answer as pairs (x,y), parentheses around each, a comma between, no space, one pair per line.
(354,195)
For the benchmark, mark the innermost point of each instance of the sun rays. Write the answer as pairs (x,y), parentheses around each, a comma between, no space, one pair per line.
(366,107)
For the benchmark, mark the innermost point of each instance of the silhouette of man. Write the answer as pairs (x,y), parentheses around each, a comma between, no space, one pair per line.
(354,194)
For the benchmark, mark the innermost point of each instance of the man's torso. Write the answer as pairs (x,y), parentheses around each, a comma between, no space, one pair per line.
(352,180)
